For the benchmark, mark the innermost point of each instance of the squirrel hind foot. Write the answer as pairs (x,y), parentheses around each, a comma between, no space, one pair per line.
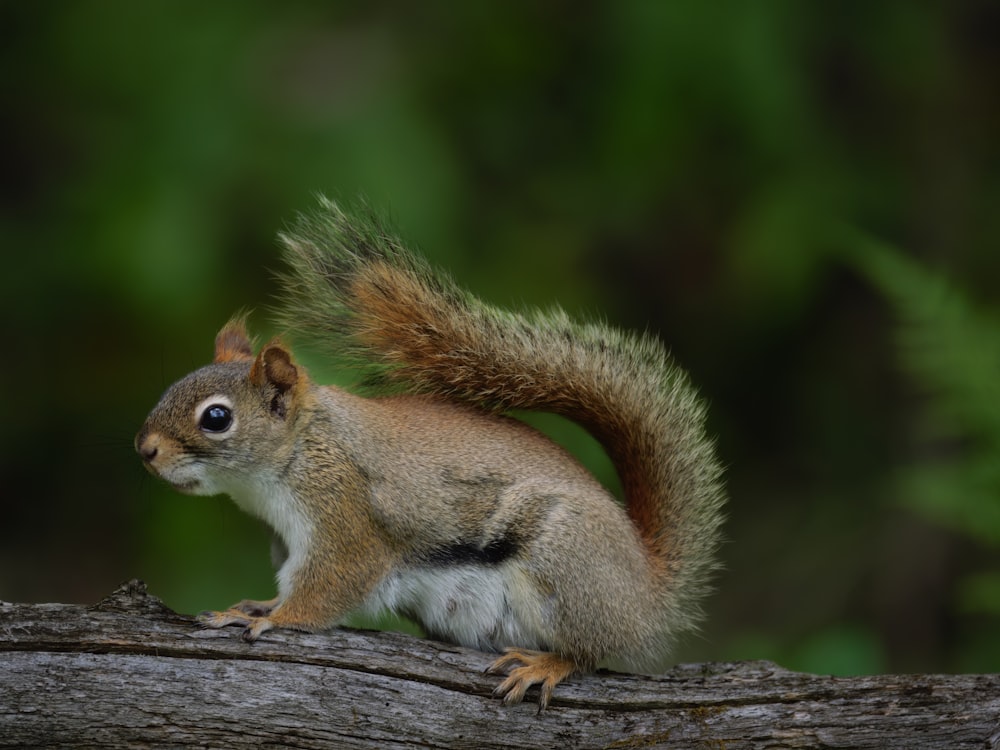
(535,668)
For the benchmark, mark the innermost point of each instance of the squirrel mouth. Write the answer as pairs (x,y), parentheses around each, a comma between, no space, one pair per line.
(188,488)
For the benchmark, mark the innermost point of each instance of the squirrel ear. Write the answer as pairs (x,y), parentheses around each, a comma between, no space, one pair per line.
(232,343)
(274,365)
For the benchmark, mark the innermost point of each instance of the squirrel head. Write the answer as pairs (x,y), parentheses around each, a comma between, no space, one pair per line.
(212,428)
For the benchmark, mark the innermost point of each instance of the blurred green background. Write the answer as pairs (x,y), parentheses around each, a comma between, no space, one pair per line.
(799,198)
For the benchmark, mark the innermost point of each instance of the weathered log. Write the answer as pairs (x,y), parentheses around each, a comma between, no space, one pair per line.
(130,672)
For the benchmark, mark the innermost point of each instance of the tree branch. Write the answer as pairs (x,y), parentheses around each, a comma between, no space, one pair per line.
(131,672)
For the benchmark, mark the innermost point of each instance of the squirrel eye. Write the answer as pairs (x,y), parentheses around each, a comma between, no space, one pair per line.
(216,418)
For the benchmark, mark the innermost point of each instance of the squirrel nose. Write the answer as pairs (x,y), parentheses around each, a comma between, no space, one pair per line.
(147,446)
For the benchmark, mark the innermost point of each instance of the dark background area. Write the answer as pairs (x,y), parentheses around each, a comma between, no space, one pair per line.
(800,199)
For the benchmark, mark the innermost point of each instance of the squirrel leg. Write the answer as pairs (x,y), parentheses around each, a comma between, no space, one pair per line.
(255,608)
(542,667)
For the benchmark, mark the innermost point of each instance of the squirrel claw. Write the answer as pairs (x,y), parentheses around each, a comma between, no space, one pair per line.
(255,627)
(537,667)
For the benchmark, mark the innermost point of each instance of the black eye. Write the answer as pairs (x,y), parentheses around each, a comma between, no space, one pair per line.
(216,418)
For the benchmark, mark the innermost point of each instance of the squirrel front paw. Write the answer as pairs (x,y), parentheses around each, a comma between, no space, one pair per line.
(537,667)
(253,626)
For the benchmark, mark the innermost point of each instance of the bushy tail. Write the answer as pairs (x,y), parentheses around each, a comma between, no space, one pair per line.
(353,286)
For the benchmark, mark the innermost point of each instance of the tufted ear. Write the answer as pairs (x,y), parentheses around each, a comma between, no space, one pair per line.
(274,365)
(232,343)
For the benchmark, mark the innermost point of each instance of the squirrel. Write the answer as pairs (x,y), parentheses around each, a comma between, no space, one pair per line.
(425,497)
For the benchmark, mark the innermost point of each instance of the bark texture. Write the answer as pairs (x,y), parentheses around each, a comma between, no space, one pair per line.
(129,672)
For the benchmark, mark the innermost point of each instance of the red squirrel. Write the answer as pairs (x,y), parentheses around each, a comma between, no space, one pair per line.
(429,501)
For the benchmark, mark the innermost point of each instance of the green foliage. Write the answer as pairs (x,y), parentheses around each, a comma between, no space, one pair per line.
(951,350)
(842,650)
(979,593)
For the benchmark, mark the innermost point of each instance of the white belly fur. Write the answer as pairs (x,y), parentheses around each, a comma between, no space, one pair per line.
(488,608)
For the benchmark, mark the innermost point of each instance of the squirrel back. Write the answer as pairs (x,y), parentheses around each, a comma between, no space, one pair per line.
(352,287)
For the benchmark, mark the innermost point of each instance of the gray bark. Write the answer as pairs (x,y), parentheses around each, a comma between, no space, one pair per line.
(130,673)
